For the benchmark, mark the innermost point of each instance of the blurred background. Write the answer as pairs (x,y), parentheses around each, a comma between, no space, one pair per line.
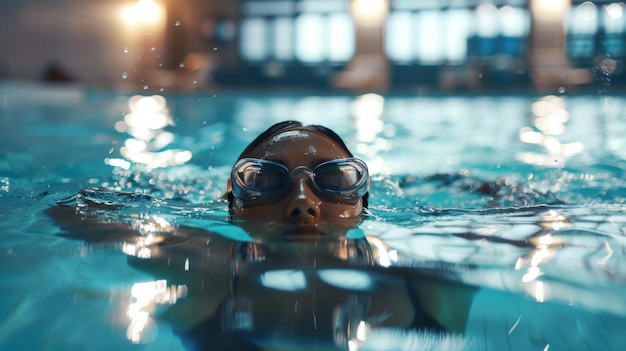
(421,46)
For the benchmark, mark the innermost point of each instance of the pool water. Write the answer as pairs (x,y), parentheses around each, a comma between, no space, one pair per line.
(495,223)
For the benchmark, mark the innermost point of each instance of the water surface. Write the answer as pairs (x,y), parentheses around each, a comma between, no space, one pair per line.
(504,212)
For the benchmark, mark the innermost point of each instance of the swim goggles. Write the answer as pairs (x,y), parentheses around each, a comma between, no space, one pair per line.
(254,179)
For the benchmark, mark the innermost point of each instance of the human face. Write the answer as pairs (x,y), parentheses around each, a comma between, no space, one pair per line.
(301,203)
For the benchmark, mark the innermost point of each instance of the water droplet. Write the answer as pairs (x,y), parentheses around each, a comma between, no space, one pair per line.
(149,33)
(162,89)
(145,87)
(195,82)
(126,50)
(181,65)
(152,49)
(199,99)
(124,75)
(215,49)
(561,90)
(177,23)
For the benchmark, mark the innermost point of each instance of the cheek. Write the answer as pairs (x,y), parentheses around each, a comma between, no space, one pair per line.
(259,212)
(343,210)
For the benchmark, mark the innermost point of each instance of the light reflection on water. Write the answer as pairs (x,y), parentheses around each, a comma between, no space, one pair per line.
(144,298)
(146,123)
(373,134)
(549,118)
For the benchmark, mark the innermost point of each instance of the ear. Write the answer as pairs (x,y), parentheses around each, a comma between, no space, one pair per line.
(229,186)
(228,195)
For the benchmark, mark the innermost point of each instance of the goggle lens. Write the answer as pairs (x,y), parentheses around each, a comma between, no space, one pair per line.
(338,177)
(253,179)
(263,178)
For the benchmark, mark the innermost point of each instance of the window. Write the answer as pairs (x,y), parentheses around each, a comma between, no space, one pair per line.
(426,33)
(253,39)
(582,27)
(306,31)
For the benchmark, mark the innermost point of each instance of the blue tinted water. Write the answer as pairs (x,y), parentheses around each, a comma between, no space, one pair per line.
(506,212)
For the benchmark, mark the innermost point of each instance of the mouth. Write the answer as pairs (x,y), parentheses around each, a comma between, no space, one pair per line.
(301,231)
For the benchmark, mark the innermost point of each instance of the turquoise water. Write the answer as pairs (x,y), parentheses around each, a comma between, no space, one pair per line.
(506,212)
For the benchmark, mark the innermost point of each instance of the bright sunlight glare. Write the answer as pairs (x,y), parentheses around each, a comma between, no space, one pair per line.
(143,11)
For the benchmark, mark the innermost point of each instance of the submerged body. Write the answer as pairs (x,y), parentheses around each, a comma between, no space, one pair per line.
(314,290)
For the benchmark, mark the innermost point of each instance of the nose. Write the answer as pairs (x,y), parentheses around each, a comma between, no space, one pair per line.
(304,205)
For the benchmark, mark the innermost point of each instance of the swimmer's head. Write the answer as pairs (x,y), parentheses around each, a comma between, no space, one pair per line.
(298,174)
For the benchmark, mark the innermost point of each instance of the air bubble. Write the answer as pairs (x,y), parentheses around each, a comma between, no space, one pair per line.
(177,23)
(181,65)
(126,50)
(124,75)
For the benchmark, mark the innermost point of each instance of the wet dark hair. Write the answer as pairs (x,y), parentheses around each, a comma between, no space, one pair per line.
(289,125)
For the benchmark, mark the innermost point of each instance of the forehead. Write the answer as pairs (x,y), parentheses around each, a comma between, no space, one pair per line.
(296,144)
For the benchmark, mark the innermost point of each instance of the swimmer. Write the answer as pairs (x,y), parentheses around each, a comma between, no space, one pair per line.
(274,289)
